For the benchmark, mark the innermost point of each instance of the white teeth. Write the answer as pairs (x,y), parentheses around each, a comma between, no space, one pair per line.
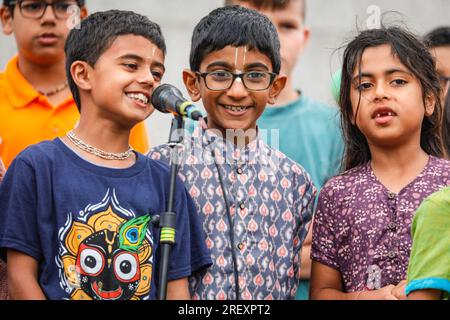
(235,109)
(385,114)
(138,96)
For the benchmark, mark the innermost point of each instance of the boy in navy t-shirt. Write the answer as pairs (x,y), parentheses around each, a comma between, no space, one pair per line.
(76,213)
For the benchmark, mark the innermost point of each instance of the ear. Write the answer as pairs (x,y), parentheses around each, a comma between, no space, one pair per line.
(276,88)
(83,12)
(430,105)
(192,85)
(80,71)
(7,20)
(306,37)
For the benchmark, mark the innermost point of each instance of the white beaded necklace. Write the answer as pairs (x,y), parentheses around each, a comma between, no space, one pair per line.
(97,152)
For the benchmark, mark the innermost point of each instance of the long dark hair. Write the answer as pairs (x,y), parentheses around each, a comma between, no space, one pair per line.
(446,125)
(415,56)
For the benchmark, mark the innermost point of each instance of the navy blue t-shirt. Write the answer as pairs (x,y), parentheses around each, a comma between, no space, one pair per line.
(90,227)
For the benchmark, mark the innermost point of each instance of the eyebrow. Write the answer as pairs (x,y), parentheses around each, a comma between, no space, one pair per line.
(131,56)
(386,73)
(229,66)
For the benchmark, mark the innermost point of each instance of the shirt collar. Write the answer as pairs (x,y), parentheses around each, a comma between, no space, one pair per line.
(20,92)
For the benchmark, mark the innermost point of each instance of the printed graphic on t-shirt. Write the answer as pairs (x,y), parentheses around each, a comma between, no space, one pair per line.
(106,253)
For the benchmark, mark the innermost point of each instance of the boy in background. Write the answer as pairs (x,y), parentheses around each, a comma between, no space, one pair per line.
(438,41)
(309,130)
(35,100)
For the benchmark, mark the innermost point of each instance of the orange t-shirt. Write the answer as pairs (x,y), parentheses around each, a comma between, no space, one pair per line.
(26,117)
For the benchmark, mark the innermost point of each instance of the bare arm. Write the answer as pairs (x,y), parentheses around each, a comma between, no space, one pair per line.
(326,284)
(428,294)
(23,277)
(178,290)
(305,268)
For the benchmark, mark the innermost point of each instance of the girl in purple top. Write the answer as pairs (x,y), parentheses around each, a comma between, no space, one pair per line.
(391,115)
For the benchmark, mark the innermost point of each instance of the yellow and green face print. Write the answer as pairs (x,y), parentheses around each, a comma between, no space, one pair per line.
(107,257)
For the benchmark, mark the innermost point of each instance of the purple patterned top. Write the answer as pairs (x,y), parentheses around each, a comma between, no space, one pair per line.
(364,231)
(271,199)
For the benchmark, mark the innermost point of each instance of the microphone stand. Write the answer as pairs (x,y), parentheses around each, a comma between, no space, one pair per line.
(167,221)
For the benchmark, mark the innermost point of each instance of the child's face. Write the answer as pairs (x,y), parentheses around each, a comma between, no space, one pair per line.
(236,107)
(293,34)
(392,105)
(40,40)
(442,55)
(123,79)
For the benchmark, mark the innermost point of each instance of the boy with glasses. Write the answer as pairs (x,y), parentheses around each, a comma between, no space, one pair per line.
(35,100)
(255,204)
(313,125)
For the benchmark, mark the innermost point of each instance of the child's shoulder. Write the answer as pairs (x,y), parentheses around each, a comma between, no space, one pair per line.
(439,163)
(158,165)
(438,169)
(40,152)
(347,179)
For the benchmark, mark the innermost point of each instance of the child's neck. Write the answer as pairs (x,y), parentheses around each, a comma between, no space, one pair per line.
(396,168)
(46,78)
(103,135)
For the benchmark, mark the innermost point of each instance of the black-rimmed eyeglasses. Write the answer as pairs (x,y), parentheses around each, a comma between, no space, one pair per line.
(34,9)
(252,80)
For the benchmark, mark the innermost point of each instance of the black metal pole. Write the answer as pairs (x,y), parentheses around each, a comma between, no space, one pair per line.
(167,221)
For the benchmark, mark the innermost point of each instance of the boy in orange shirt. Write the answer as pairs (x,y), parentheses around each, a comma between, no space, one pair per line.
(35,101)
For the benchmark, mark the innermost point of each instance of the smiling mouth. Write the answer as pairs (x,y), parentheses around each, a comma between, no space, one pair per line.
(236,108)
(139,97)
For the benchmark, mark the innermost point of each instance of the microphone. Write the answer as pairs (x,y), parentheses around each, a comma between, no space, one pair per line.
(168,99)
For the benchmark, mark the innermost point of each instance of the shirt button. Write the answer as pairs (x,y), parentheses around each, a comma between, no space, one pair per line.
(240,246)
(239,171)
(242,205)
(391,195)
(392,254)
(392,226)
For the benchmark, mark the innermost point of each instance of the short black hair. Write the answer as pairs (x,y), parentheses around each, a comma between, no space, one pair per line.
(10,3)
(438,37)
(235,26)
(97,33)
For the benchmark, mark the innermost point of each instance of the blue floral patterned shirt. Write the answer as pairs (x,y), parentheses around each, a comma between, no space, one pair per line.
(271,205)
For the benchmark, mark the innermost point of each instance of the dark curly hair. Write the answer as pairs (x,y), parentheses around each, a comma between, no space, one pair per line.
(415,56)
